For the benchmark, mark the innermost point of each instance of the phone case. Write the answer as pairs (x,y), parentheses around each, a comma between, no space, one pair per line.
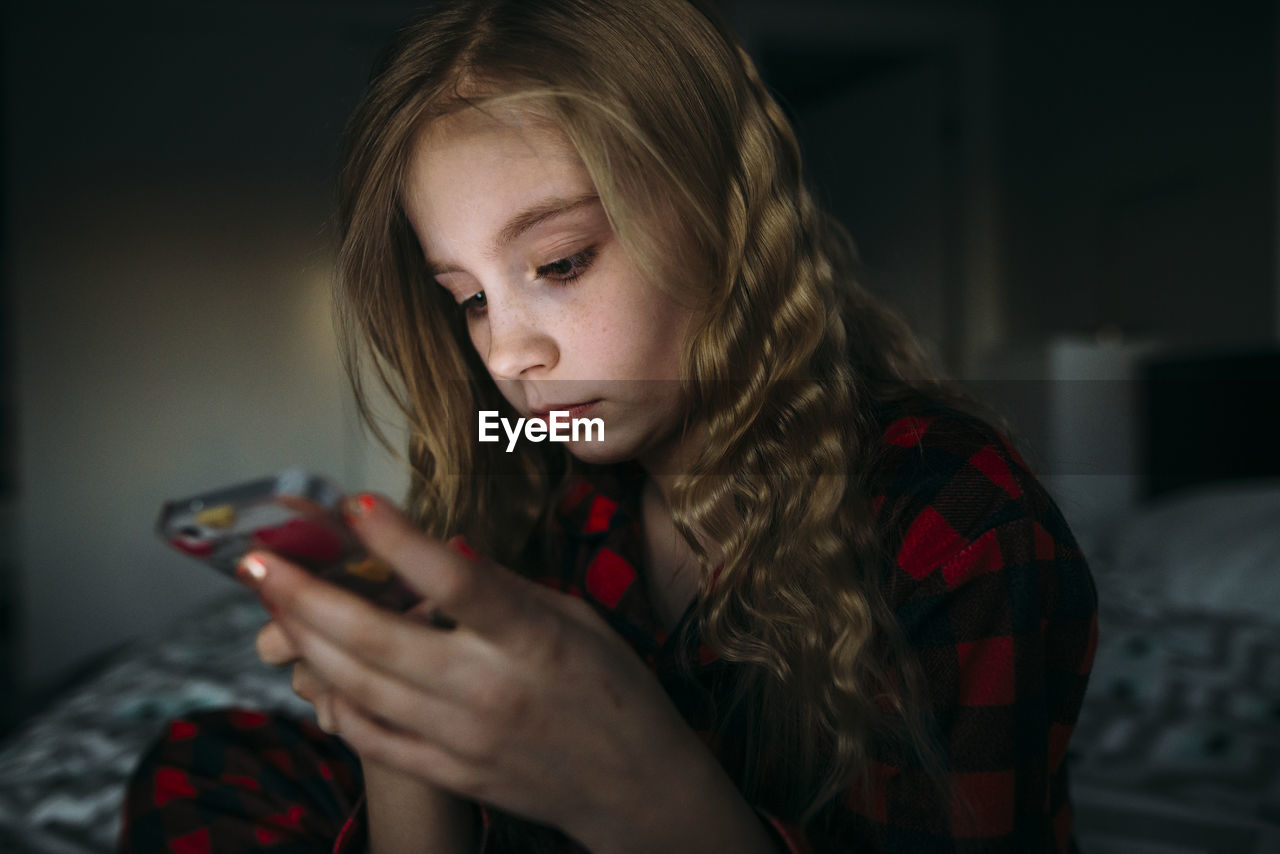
(295,514)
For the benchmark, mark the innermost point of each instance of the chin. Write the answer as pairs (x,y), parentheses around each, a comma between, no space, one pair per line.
(600,453)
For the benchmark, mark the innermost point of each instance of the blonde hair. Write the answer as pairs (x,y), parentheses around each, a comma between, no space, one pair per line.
(785,366)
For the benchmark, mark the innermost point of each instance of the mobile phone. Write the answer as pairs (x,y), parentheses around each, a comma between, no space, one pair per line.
(294,514)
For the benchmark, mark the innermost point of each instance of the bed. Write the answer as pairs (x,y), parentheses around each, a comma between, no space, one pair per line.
(1178,744)
(1177,747)
(62,774)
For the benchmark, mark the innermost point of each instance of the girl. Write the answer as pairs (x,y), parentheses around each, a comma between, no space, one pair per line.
(801,597)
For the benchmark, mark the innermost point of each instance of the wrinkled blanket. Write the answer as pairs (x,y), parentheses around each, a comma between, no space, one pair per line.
(62,774)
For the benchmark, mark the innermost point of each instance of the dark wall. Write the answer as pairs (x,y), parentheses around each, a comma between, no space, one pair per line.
(104,95)
(168,179)
(1139,156)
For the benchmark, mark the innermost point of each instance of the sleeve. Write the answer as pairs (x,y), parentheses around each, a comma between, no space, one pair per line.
(353,838)
(1003,623)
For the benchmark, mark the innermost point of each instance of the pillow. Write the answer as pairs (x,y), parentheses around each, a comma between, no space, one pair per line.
(1215,548)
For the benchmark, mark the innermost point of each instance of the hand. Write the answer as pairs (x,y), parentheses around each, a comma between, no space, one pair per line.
(532,703)
(405,813)
(275,648)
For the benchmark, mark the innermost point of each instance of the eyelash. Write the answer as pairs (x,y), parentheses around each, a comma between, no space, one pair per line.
(579,263)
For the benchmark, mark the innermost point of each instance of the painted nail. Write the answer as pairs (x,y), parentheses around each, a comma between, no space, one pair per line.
(460,543)
(358,505)
(251,570)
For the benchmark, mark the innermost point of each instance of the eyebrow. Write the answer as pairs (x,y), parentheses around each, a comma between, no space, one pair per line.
(522,222)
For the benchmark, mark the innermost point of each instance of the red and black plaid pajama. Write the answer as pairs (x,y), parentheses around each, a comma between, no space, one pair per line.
(239,780)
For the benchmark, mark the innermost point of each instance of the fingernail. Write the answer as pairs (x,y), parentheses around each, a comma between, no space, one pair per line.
(358,505)
(460,543)
(251,570)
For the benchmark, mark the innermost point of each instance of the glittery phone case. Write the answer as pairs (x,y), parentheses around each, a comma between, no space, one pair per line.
(294,514)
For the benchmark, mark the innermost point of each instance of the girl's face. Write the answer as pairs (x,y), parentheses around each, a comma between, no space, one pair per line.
(511,227)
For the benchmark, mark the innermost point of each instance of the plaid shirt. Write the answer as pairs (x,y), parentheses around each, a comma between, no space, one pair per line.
(994,597)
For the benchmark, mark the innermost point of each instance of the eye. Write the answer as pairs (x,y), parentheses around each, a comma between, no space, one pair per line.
(475,305)
(568,269)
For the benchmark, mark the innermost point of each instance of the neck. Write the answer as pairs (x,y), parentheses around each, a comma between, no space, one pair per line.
(662,468)
(668,461)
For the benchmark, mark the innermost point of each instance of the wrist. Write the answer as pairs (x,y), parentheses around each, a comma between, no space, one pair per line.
(406,813)
(687,803)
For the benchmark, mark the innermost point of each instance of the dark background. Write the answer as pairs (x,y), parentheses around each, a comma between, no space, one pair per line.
(1017,175)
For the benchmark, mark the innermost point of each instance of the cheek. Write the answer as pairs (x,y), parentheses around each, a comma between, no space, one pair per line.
(648,334)
(633,352)
(664,347)
(511,393)
(476,338)
(479,336)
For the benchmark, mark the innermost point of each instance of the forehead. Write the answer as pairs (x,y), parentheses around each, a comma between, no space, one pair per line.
(475,176)
(499,139)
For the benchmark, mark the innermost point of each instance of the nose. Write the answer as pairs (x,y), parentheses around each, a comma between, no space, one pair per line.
(518,344)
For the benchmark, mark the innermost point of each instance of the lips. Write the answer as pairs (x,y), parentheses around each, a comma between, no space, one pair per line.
(574,409)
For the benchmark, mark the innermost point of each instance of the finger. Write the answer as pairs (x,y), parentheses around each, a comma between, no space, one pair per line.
(376,742)
(273,646)
(400,705)
(472,590)
(381,640)
(324,713)
(306,684)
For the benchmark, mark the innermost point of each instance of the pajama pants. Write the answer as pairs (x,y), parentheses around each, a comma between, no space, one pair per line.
(235,780)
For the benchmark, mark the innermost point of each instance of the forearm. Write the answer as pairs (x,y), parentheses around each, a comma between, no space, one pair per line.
(408,815)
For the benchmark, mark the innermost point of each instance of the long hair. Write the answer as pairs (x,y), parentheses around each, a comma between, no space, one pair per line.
(785,366)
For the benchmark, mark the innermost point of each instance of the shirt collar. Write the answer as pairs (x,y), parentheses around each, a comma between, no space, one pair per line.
(600,517)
